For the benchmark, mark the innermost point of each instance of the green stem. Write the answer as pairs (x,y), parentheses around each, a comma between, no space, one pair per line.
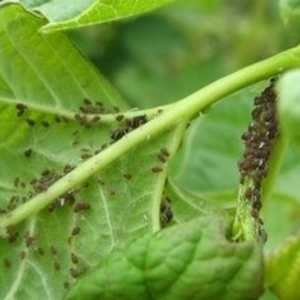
(176,114)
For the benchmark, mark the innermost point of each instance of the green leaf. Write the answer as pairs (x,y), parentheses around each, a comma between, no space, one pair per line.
(42,139)
(188,261)
(290,12)
(282,269)
(66,14)
(289,105)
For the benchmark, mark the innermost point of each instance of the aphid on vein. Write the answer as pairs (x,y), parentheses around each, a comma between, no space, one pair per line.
(76,230)
(23,254)
(74,258)
(29,240)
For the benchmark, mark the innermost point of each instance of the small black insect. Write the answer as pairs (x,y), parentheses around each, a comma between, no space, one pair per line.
(28,152)
(45,123)
(74,258)
(127,176)
(53,250)
(76,230)
(30,122)
(156,169)
(56,266)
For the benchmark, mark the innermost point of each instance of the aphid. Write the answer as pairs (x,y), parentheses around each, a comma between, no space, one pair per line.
(45,123)
(164,152)
(66,285)
(30,122)
(119,118)
(87,101)
(23,254)
(29,241)
(76,230)
(28,152)
(7,263)
(21,106)
(53,250)
(96,119)
(162,157)
(166,213)
(40,251)
(137,121)
(249,193)
(57,118)
(13,236)
(119,133)
(156,169)
(56,266)
(127,176)
(81,206)
(74,258)
(74,273)
(21,109)
(85,156)
(68,168)
(16,182)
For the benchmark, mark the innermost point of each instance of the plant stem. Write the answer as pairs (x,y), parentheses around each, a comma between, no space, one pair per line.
(179,112)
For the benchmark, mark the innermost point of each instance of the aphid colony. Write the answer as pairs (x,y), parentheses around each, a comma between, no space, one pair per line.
(259,140)
(131,124)
(87,115)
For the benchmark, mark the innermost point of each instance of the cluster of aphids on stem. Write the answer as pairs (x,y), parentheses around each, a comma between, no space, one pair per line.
(259,140)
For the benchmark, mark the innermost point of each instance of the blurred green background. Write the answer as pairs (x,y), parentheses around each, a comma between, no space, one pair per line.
(165,55)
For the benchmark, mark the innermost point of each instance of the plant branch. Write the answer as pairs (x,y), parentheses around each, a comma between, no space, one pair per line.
(177,113)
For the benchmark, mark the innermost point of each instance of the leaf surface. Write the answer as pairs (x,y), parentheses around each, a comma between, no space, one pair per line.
(56,113)
(65,14)
(188,261)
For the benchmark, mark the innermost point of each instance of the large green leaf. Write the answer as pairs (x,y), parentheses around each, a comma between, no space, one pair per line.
(66,14)
(55,113)
(188,261)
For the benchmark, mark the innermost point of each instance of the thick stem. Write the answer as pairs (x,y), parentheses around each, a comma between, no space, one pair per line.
(176,114)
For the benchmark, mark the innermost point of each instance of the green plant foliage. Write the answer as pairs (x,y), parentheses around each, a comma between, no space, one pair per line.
(104,201)
(66,14)
(189,261)
(288,105)
(42,141)
(282,269)
(290,11)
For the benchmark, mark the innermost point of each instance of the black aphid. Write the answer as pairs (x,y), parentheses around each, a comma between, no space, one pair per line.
(30,122)
(53,250)
(28,152)
(127,176)
(45,123)
(56,266)
(29,240)
(156,169)
(40,251)
(7,263)
(76,230)
(74,258)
